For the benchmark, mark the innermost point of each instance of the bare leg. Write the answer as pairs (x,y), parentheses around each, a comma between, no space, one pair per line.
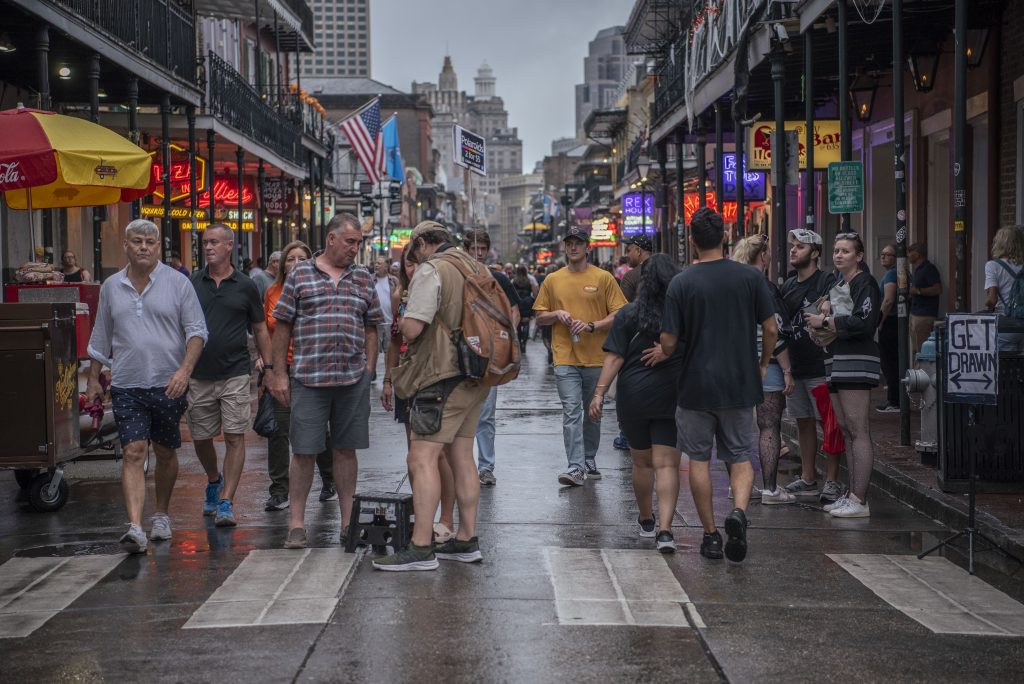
(300,479)
(666,465)
(807,429)
(837,409)
(467,485)
(426,488)
(643,482)
(700,488)
(234,462)
(346,472)
(166,476)
(741,476)
(133,479)
(444,468)
(207,455)
(856,407)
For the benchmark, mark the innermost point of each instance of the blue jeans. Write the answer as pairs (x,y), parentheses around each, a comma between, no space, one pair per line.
(485,432)
(582,436)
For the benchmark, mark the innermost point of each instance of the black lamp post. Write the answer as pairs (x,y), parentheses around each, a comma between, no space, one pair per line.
(643,165)
(923,67)
(862,95)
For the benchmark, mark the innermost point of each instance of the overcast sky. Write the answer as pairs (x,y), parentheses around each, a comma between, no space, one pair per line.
(536,48)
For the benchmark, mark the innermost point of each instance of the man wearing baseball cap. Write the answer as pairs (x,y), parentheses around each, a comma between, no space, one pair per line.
(638,249)
(807,362)
(580,302)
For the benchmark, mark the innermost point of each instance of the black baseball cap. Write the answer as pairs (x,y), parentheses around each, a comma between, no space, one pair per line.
(642,241)
(578,233)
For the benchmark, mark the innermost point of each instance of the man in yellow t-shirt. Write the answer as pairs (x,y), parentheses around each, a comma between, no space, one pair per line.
(580,302)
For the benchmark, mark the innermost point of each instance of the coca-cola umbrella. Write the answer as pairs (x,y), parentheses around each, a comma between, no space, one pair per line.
(49,161)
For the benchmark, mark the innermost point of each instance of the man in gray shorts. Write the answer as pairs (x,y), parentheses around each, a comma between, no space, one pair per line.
(329,309)
(712,309)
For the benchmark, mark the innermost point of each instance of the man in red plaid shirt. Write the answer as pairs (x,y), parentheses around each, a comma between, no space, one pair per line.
(329,311)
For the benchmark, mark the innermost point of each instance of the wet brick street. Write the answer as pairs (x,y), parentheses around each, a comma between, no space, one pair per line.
(567,590)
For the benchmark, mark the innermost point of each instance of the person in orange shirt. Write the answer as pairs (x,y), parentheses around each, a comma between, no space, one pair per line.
(278,447)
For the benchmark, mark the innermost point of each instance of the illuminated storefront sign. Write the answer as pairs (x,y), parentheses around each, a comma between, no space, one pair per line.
(826,143)
(180,186)
(691,203)
(225,192)
(753,181)
(544,256)
(638,210)
(400,237)
(602,232)
(149,211)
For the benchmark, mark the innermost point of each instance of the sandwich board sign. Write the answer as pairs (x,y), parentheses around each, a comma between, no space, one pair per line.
(470,150)
(972,358)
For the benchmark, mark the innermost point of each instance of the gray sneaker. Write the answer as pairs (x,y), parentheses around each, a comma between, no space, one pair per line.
(573,477)
(801,487)
(592,472)
(134,540)
(487,478)
(457,550)
(276,502)
(161,529)
(830,492)
(296,538)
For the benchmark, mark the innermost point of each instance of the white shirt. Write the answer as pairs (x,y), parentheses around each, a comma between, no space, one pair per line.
(997,276)
(142,337)
(384,295)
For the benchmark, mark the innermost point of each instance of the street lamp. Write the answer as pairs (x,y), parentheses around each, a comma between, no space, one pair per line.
(977,38)
(643,165)
(923,67)
(862,95)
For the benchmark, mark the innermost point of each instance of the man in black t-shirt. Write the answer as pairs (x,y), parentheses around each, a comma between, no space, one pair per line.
(712,310)
(925,288)
(800,292)
(218,393)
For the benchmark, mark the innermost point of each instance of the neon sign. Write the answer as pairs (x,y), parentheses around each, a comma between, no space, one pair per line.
(180,178)
(225,192)
(638,214)
(691,203)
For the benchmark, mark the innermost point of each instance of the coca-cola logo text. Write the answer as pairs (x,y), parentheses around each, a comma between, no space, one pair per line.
(10,173)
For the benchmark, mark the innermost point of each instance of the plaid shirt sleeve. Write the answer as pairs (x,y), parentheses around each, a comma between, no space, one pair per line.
(286,309)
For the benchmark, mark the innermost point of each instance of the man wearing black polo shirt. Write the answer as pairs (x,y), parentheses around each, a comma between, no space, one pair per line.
(218,393)
(925,288)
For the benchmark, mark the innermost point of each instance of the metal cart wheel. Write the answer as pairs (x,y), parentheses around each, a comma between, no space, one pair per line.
(44,498)
(24,476)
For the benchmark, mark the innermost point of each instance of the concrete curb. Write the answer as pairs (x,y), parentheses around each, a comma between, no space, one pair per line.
(946,509)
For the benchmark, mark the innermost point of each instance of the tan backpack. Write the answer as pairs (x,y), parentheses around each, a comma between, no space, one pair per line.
(488,350)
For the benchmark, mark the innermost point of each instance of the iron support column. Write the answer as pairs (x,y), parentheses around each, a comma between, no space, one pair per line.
(660,231)
(678,231)
(43,66)
(779,166)
(809,128)
(902,278)
(165,145)
(97,212)
(211,139)
(259,218)
(702,166)
(719,155)
(243,247)
(961,219)
(190,116)
(845,130)
(741,175)
(133,131)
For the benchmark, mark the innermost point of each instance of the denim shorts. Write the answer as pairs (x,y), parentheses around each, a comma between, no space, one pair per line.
(147,413)
(774,380)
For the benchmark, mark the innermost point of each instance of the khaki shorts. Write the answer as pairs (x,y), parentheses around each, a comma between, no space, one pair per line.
(461,413)
(219,405)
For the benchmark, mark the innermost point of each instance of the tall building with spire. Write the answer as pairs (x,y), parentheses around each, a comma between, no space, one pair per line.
(484,113)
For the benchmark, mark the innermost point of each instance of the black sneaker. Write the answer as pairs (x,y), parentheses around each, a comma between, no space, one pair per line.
(592,472)
(276,502)
(736,530)
(457,550)
(647,527)
(328,493)
(711,547)
(666,543)
(410,559)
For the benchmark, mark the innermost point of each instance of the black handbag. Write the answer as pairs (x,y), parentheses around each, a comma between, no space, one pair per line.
(265,423)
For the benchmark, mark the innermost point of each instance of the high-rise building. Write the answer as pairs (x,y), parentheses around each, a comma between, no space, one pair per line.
(342,37)
(603,69)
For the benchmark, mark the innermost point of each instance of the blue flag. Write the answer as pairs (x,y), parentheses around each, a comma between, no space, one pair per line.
(392,153)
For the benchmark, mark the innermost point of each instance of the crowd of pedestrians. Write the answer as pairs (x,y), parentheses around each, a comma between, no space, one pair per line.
(703,362)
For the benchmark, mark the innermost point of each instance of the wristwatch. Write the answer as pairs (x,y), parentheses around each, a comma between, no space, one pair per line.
(268,366)
(591,327)
(824,323)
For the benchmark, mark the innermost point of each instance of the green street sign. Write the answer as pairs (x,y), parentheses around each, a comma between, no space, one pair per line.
(845,187)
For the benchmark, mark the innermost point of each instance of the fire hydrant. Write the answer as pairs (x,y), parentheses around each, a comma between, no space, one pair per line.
(921,380)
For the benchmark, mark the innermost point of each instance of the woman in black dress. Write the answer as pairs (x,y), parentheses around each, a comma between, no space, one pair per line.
(73,273)
(646,400)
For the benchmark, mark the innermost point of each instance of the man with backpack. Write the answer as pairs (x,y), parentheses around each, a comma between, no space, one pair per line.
(579,302)
(451,361)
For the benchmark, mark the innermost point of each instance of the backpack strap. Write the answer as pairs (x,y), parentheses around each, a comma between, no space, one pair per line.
(1013,274)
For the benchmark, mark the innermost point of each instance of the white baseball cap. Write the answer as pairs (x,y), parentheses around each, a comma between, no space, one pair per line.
(808,237)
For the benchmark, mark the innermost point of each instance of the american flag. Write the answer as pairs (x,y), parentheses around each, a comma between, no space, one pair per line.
(363,130)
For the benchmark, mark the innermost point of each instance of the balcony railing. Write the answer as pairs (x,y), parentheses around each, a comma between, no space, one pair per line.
(671,87)
(162,31)
(301,9)
(232,100)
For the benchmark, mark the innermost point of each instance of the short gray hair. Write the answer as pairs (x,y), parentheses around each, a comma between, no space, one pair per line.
(274,256)
(342,220)
(221,226)
(142,227)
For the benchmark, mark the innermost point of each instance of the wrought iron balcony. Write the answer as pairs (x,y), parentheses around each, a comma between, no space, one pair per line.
(231,99)
(163,31)
(671,87)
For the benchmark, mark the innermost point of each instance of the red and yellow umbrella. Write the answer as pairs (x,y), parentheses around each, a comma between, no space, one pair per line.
(49,160)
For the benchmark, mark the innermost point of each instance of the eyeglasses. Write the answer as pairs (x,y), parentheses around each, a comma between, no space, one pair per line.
(888,254)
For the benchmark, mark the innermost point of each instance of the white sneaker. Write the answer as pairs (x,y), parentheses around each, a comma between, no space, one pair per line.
(755,493)
(854,508)
(134,540)
(161,529)
(442,533)
(839,503)
(779,496)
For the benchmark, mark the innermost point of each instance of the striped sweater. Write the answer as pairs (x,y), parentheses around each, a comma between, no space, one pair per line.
(853,357)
